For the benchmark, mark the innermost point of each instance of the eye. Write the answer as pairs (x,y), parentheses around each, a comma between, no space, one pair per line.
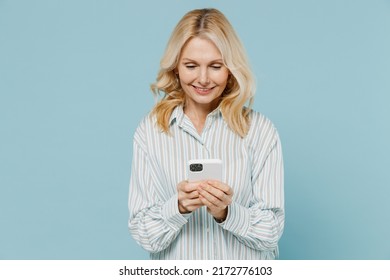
(216,66)
(190,66)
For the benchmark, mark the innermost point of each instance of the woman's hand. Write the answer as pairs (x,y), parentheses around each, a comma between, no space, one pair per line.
(216,196)
(188,196)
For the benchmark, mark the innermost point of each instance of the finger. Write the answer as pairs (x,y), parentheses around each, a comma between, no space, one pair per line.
(182,196)
(191,204)
(222,196)
(211,190)
(194,207)
(188,187)
(221,186)
(217,212)
(206,202)
(190,207)
(194,194)
(211,198)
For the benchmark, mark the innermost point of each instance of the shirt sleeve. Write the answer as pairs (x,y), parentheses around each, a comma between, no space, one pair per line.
(154,222)
(261,225)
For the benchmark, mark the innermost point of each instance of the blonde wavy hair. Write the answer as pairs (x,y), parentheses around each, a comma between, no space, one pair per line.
(208,24)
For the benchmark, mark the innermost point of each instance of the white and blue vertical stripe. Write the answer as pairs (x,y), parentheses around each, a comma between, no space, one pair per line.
(253,168)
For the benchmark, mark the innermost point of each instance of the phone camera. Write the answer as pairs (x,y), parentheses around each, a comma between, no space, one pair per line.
(196,167)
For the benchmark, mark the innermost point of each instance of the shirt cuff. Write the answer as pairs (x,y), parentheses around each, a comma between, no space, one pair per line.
(171,214)
(237,220)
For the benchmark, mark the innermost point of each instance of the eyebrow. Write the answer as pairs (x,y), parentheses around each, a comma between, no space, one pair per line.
(211,62)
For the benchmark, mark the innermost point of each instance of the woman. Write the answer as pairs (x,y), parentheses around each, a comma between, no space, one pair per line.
(206,82)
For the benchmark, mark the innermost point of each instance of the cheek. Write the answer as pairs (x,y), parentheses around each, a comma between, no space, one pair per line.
(186,77)
(220,78)
(185,82)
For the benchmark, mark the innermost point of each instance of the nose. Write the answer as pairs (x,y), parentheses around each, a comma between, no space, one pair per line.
(203,77)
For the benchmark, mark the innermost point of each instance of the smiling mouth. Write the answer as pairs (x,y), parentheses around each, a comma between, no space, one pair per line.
(201,90)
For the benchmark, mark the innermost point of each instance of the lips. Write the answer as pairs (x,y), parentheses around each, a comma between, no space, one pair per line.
(202,91)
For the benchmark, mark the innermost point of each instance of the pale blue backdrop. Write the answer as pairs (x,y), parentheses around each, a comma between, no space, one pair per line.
(74,83)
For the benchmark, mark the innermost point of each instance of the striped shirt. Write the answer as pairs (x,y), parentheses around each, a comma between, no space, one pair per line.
(252,167)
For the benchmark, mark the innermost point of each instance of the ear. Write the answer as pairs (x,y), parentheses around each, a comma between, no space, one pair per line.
(176,72)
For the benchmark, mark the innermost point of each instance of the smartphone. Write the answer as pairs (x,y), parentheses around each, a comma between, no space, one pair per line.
(204,169)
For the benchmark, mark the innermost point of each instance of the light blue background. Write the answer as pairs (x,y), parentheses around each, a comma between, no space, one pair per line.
(74,83)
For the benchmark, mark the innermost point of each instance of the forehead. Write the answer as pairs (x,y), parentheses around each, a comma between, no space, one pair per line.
(199,49)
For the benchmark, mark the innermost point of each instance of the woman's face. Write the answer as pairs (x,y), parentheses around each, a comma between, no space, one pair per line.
(202,74)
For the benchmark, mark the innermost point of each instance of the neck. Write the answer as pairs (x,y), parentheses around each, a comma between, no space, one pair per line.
(198,115)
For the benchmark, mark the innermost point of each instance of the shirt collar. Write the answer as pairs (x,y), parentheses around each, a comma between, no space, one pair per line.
(178,114)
